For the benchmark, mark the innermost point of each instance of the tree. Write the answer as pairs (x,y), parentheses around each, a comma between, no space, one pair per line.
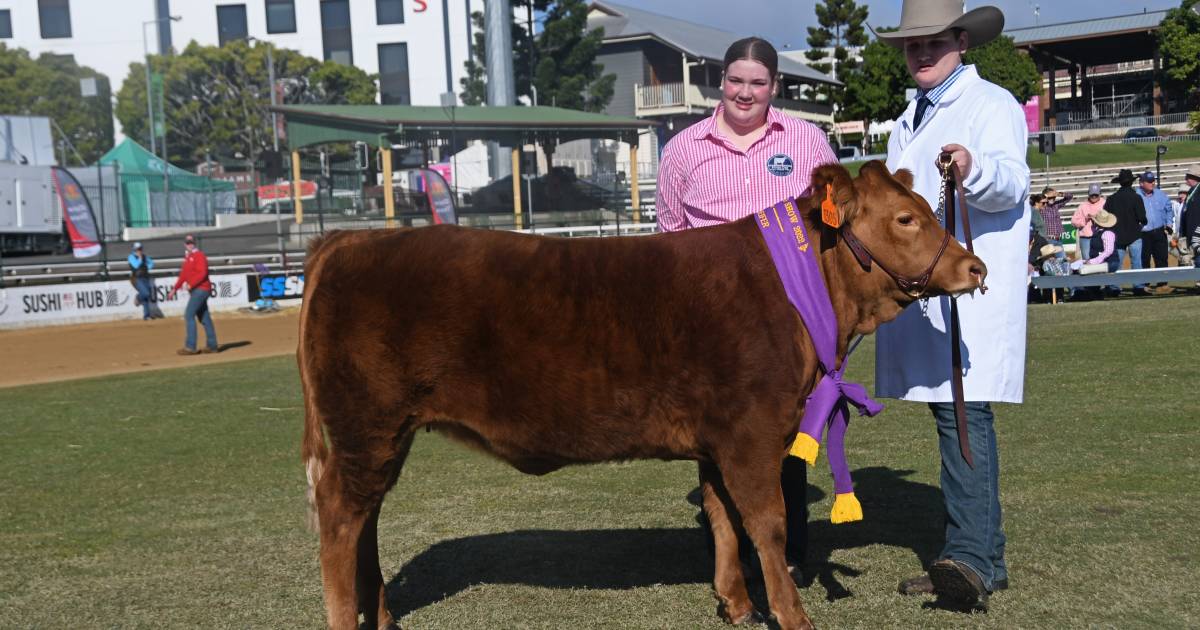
(474,84)
(1000,62)
(840,25)
(875,91)
(567,73)
(217,98)
(49,86)
(1179,43)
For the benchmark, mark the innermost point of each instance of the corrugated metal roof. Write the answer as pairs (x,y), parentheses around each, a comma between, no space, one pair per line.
(694,39)
(1087,28)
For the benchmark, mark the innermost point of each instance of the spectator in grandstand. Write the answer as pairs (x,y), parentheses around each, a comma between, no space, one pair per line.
(1127,206)
(1055,202)
(1104,250)
(140,265)
(1159,222)
(1082,220)
(1177,204)
(1189,222)
(193,276)
(1048,206)
(772,156)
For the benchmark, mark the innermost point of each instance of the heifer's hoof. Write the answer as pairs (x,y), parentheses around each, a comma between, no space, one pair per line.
(751,618)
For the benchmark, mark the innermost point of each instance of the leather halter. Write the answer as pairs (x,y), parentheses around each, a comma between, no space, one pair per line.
(912,287)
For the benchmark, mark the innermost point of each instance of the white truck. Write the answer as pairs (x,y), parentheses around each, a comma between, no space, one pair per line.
(30,213)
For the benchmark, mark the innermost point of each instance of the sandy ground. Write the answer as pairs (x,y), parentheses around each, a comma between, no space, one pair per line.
(59,353)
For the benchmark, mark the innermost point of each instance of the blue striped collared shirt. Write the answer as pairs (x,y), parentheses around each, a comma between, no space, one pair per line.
(934,95)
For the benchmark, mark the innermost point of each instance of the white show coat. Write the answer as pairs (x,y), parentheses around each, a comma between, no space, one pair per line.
(913,352)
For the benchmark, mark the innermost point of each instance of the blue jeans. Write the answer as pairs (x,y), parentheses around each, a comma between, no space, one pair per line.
(197,309)
(145,292)
(1135,259)
(974,532)
(1084,245)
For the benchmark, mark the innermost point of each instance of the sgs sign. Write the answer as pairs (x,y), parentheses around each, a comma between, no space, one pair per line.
(277,287)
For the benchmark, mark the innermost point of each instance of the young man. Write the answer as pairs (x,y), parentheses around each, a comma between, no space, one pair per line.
(193,276)
(1127,205)
(1160,220)
(983,128)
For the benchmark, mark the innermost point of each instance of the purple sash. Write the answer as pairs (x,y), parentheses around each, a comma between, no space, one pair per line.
(783,230)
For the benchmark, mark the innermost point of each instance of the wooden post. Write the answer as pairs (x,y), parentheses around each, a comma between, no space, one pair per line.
(389,201)
(516,177)
(296,202)
(634,196)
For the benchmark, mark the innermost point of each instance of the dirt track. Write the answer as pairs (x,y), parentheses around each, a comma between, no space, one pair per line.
(59,353)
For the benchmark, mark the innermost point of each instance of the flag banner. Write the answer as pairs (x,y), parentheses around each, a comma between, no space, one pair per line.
(441,201)
(77,214)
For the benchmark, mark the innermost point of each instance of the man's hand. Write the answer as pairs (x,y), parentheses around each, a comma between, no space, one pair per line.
(171,294)
(961,157)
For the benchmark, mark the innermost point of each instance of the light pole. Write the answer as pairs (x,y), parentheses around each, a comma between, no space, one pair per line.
(146,54)
(271,87)
(275,145)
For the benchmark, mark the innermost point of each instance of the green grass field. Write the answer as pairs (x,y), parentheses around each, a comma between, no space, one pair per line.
(175,499)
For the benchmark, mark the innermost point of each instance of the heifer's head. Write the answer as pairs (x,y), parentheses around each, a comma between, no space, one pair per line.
(890,246)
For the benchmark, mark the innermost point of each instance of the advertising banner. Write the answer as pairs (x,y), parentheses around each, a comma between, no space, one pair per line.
(104,301)
(441,201)
(283,192)
(77,214)
(275,286)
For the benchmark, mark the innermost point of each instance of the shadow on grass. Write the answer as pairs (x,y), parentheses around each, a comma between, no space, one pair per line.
(595,559)
(897,513)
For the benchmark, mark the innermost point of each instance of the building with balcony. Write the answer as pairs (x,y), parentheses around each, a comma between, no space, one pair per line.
(669,70)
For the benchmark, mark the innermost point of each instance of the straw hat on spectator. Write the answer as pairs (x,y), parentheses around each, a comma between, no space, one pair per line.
(1048,251)
(1105,219)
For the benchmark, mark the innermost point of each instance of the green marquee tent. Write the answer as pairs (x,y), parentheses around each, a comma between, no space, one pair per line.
(180,198)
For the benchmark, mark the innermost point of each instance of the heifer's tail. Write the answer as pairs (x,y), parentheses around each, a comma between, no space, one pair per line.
(313,450)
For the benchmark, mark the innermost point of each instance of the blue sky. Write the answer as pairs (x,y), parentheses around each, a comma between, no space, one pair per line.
(784,22)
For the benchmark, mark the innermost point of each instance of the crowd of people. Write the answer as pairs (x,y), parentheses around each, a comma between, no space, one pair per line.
(1144,223)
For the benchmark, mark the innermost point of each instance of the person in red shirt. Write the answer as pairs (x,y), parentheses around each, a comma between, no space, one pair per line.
(194,277)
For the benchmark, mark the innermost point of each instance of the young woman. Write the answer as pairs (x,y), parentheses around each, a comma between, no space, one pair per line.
(745,157)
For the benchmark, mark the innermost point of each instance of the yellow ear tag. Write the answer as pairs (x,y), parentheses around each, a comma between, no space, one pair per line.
(829,212)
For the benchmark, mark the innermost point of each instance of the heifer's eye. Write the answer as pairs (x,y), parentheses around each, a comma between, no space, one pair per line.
(905,219)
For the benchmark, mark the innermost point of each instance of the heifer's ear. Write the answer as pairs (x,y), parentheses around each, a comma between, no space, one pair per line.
(832,182)
(905,177)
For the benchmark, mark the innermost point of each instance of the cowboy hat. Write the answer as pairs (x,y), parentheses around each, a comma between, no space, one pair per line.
(919,18)
(1048,250)
(1105,219)
(1191,175)
(1123,177)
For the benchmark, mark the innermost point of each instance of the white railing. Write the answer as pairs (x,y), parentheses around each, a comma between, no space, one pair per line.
(661,95)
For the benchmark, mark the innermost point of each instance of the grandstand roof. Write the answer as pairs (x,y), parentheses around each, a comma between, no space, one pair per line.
(623,22)
(1098,41)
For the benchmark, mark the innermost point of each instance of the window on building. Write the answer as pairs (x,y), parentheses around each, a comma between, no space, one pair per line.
(281,16)
(55,16)
(5,24)
(393,74)
(231,23)
(335,31)
(389,11)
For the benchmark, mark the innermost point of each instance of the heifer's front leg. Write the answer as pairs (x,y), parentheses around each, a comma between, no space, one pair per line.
(754,488)
(372,601)
(728,580)
(342,525)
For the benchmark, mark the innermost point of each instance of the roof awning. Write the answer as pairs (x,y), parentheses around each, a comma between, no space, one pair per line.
(387,125)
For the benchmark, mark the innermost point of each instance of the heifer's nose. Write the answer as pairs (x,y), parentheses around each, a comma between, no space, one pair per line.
(978,272)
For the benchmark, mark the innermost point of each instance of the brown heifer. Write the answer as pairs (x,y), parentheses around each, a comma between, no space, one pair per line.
(546,352)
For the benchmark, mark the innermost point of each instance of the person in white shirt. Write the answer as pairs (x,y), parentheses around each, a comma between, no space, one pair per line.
(983,128)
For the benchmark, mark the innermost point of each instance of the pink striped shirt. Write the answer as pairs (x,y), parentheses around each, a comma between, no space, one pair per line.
(704,180)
